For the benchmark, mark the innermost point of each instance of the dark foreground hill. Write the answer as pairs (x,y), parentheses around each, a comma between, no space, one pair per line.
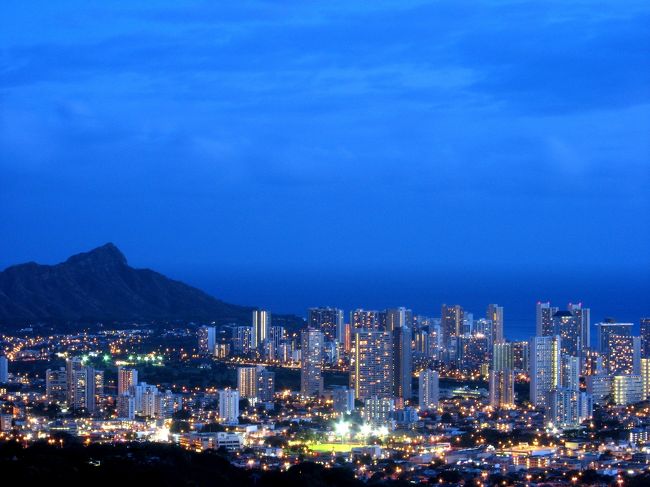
(100,286)
(150,464)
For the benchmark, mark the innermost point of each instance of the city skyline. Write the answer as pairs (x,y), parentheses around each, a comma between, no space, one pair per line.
(339,244)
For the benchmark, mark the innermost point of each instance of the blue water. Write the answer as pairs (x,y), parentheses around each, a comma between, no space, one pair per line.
(624,296)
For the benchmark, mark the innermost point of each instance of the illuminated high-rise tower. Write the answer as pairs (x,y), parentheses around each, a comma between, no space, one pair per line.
(617,346)
(545,326)
(645,337)
(495,314)
(260,327)
(371,370)
(402,362)
(126,378)
(4,369)
(429,389)
(207,338)
(311,368)
(583,318)
(229,405)
(397,318)
(503,356)
(329,321)
(567,326)
(451,323)
(255,383)
(85,385)
(545,368)
(502,388)
(364,319)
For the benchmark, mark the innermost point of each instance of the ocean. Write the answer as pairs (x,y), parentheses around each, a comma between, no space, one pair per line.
(623,296)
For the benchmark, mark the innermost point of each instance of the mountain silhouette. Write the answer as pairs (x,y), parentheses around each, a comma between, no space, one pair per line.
(100,286)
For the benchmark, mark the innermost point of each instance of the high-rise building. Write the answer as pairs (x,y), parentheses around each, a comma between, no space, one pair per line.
(616,346)
(521,356)
(645,377)
(261,324)
(569,407)
(242,340)
(221,350)
(645,337)
(502,389)
(378,410)
(429,389)
(329,321)
(343,400)
(494,313)
(627,389)
(583,318)
(229,405)
(468,324)
(277,334)
(255,383)
(398,318)
(566,325)
(311,364)
(126,406)
(619,358)
(98,376)
(85,385)
(207,336)
(247,382)
(451,323)
(503,356)
(599,386)
(149,402)
(544,368)
(473,352)
(545,326)
(4,369)
(125,379)
(56,385)
(364,319)
(371,368)
(265,385)
(608,328)
(569,372)
(402,363)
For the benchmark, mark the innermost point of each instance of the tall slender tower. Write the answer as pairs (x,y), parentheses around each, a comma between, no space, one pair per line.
(495,314)
(583,318)
(311,367)
(261,323)
(545,314)
(429,389)
(402,362)
(502,388)
(4,369)
(545,368)
(645,337)
(451,323)
(125,379)
(568,327)
(207,338)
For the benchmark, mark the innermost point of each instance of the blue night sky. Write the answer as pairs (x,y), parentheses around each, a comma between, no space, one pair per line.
(219,140)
